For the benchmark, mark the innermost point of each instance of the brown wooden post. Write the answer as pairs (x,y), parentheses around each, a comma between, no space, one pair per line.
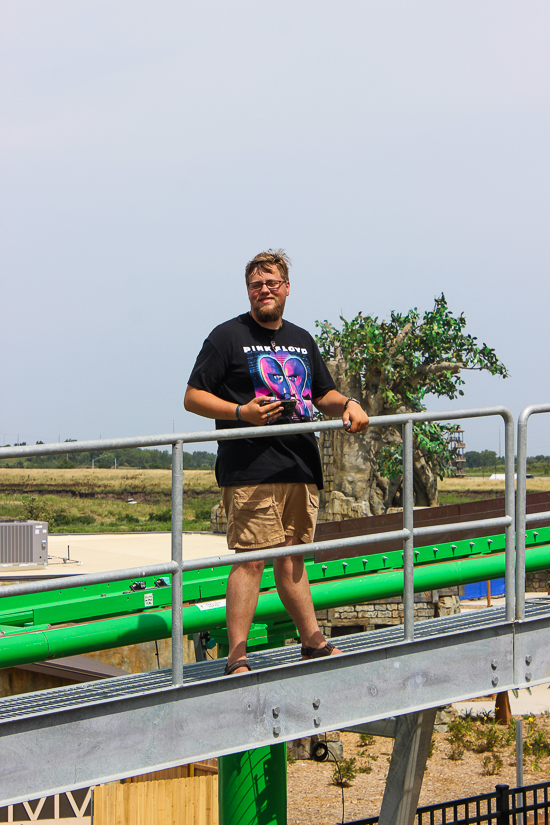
(503,712)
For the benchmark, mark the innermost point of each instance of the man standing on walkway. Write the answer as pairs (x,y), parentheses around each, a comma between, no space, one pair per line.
(253,371)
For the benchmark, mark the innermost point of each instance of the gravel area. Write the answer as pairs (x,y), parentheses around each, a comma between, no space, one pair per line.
(314,800)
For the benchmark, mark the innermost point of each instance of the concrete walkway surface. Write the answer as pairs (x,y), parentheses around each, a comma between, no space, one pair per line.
(532,704)
(97,552)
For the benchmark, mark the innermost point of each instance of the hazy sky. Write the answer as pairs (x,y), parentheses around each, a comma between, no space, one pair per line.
(149,149)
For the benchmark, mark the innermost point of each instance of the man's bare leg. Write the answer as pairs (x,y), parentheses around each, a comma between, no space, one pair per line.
(243,587)
(294,591)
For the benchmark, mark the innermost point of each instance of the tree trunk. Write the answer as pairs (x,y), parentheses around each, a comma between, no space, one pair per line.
(354,486)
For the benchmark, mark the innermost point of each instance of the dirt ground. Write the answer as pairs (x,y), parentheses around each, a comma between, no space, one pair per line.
(313,800)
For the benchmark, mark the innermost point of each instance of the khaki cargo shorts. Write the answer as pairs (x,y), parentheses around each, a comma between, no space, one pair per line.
(263,515)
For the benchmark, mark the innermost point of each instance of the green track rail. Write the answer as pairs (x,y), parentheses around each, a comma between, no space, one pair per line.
(36,627)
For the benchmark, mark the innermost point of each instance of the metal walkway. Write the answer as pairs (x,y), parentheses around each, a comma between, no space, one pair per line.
(85,734)
(57,740)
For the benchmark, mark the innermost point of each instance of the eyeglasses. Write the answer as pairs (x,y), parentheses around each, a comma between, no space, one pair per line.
(273,286)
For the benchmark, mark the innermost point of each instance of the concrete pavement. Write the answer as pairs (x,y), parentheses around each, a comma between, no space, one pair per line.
(97,552)
(531,703)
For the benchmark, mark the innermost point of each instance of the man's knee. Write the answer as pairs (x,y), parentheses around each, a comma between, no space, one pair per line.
(250,568)
(292,541)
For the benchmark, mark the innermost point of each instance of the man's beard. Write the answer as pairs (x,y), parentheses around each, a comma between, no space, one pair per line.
(264,314)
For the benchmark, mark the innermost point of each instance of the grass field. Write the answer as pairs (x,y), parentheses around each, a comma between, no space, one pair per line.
(474,488)
(96,501)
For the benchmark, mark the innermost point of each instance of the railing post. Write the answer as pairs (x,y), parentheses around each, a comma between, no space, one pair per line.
(503,804)
(521,502)
(177,556)
(408,543)
(510,530)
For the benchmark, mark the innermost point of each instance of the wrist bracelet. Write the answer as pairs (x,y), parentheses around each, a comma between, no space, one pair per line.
(351,399)
(238,412)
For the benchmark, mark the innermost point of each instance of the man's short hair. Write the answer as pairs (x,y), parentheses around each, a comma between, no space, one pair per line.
(265,260)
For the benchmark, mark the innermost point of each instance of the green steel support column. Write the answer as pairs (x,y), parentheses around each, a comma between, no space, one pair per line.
(252,787)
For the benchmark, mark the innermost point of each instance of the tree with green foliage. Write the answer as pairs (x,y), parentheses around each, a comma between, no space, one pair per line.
(145,459)
(487,458)
(392,366)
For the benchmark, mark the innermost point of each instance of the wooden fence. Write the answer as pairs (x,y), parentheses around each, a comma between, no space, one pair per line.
(204,768)
(186,801)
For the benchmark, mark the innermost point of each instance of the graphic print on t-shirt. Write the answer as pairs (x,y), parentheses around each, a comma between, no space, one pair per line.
(284,373)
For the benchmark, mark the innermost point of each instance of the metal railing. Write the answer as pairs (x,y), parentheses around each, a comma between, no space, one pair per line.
(522,519)
(178,566)
(505,806)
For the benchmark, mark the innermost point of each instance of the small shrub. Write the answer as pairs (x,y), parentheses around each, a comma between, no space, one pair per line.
(492,764)
(488,739)
(459,736)
(365,739)
(203,510)
(457,752)
(36,509)
(536,743)
(161,515)
(68,519)
(344,773)
(365,769)
(510,735)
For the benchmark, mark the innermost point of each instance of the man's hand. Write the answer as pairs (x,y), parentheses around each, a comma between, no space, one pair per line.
(355,418)
(255,413)
(204,403)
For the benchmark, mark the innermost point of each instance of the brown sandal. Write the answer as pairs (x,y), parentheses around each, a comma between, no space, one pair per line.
(317,652)
(230,669)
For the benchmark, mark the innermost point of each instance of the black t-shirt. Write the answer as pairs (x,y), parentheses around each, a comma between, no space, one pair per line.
(241,359)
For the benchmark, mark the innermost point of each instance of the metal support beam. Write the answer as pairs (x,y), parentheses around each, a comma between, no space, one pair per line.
(383,727)
(408,762)
(65,738)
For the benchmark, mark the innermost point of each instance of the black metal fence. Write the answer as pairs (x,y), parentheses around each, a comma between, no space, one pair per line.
(529,805)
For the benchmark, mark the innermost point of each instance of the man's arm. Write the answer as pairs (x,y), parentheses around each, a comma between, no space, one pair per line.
(354,416)
(205,403)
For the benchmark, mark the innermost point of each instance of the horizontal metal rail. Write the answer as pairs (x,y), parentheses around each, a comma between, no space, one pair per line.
(166,439)
(178,566)
(87,579)
(521,504)
(84,580)
(463,526)
(532,518)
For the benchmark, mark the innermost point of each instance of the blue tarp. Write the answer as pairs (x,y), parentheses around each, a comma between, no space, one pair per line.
(478,590)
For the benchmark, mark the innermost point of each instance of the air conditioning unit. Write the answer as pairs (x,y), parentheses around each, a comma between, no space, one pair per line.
(23,542)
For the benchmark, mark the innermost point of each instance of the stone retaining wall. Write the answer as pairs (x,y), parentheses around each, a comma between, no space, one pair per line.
(537,582)
(335,621)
